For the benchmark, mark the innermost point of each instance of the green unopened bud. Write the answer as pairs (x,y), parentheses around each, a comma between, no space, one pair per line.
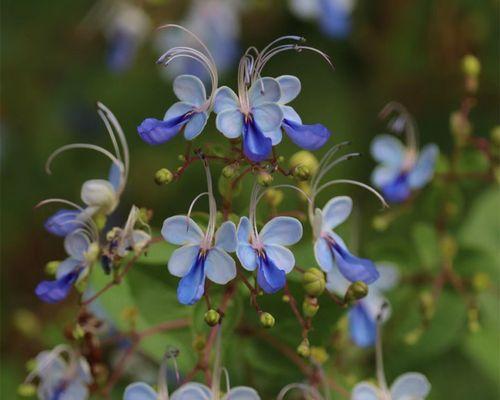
(274,197)
(281,159)
(181,157)
(199,342)
(51,267)
(212,317)
(163,176)
(78,332)
(460,127)
(314,282)
(26,390)
(356,291)
(306,159)
(310,306)
(27,323)
(266,320)
(449,247)
(229,171)
(264,178)
(481,281)
(303,349)
(301,172)
(427,305)
(30,365)
(319,355)
(285,298)
(471,66)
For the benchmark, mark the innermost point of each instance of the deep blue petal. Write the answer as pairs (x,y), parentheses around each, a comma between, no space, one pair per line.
(121,51)
(309,137)
(398,190)
(362,328)
(63,222)
(256,146)
(57,290)
(269,277)
(154,131)
(192,285)
(354,268)
(335,21)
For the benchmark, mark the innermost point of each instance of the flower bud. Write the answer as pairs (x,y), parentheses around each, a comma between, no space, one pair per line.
(356,291)
(27,323)
(303,349)
(181,158)
(412,337)
(285,298)
(495,135)
(51,267)
(264,178)
(471,66)
(78,332)
(306,159)
(274,197)
(310,306)
(26,390)
(266,320)
(212,317)
(229,171)
(281,159)
(163,176)
(301,172)
(481,281)
(380,223)
(314,282)
(319,354)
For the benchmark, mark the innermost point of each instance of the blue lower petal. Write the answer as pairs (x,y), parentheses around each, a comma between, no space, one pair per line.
(63,222)
(192,285)
(309,137)
(256,146)
(154,131)
(269,277)
(398,190)
(57,290)
(354,268)
(362,328)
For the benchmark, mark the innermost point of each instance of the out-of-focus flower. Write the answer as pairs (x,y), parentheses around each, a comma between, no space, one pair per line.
(333,16)
(411,385)
(363,315)
(403,168)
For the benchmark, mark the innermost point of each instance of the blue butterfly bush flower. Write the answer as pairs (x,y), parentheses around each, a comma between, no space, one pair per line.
(411,385)
(265,251)
(333,16)
(403,169)
(363,315)
(202,255)
(61,378)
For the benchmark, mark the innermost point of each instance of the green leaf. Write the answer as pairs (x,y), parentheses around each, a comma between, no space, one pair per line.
(157,253)
(426,244)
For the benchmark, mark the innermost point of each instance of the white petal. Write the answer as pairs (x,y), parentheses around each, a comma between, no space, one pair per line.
(181,230)
(323,255)
(225,237)
(99,193)
(76,244)
(336,211)
(336,283)
(389,276)
(192,391)
(220,266)
(195,125)
(284,231)
(182,259)
(281,257)
(290,114)
(190,89)
(388,150)
(383,174)
(242,393)
(276,136)
(268,116)
(424,168)
(244,230)
(177,109)
(365,391)
(264,90)
(247,256)
(230,123)
(410,386)
(225,99)
(290,88)
(139,391)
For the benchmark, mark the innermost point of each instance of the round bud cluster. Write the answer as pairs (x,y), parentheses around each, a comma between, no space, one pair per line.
(212,317)
(304,349)
(229,171)
(266,320)
(310,306)
(314,282)
(163,176)
(356,291)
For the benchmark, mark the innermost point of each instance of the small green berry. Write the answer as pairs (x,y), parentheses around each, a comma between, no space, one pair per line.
(266,320)
(51,267)
(264,178)
(356,291)
(471,66)
(163,176)
(212,317)
(26,390)
(310,306)
(303,349)
(314,282)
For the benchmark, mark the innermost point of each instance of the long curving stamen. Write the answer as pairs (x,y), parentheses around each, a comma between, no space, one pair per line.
(379,356)
(306,390)
(170,354)
(367,187)
(285,185)
(326,159)
(410,127)
(326,168)
(190,210)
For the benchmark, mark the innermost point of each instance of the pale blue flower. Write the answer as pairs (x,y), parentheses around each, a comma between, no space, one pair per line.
(63,222)
(198,258)
(190,113)
(364,314)
(408,386)
(61,379)
(265,251)
(254,115)
(329,248)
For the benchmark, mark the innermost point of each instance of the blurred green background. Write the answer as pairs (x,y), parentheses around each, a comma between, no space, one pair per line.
(52,75)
